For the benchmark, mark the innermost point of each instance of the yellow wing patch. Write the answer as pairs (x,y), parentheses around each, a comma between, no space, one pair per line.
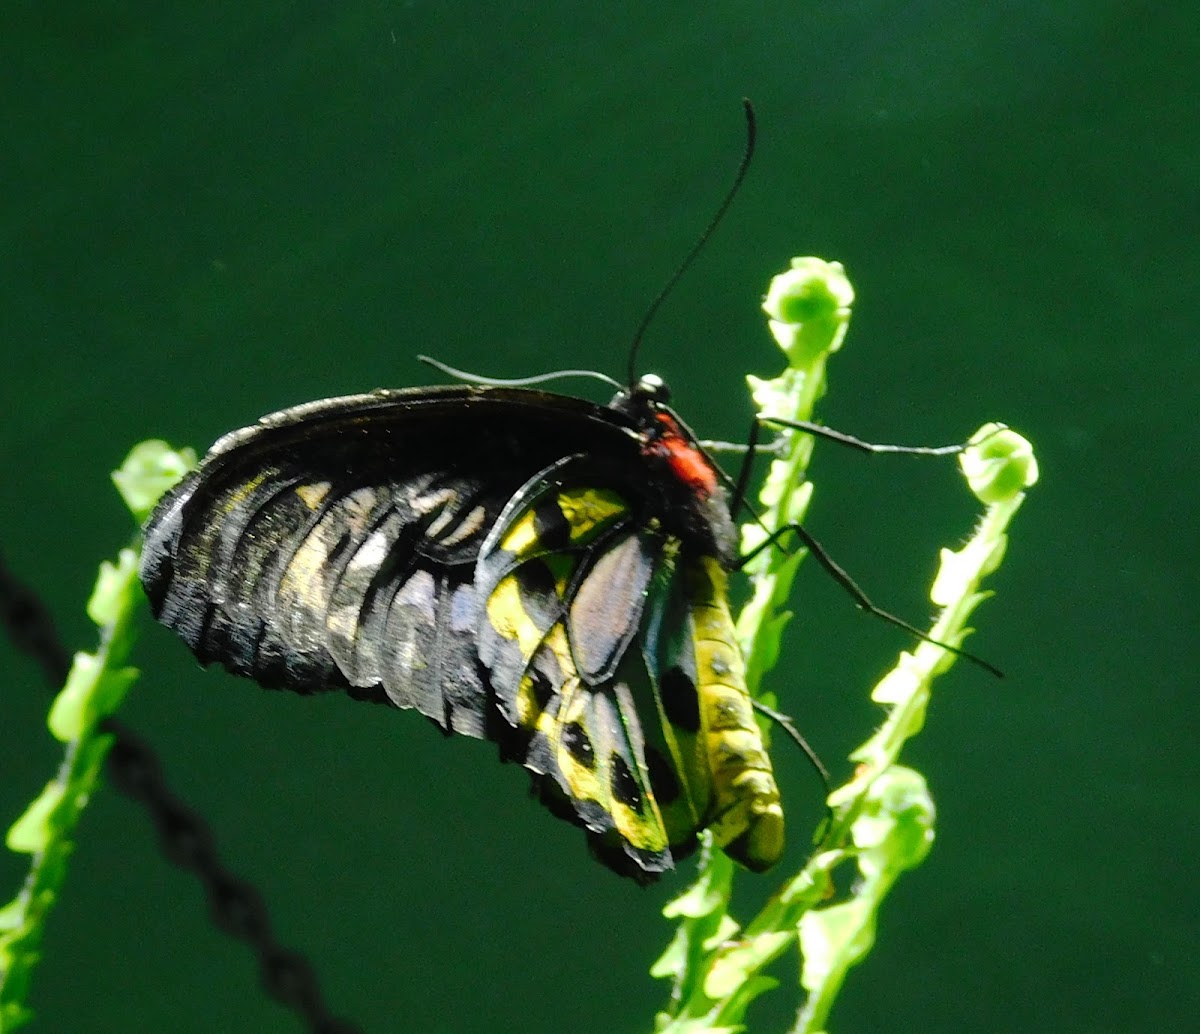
(584,728)
(586,737)
(589,511)
(313,495)
(580,661)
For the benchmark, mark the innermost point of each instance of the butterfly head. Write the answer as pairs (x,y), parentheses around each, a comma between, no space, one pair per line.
(646,396)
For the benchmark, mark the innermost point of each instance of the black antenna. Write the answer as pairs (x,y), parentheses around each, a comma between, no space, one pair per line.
(743,168)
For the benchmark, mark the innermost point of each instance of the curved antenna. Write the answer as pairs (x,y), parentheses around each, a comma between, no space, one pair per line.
(516,382)
(743,168)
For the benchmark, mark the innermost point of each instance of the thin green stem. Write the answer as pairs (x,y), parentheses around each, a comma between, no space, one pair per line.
(95,687)
(881,821)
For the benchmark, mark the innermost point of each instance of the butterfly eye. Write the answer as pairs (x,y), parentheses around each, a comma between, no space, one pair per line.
(653,388)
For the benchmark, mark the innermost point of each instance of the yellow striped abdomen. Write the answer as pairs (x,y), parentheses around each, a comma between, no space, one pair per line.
(746,814)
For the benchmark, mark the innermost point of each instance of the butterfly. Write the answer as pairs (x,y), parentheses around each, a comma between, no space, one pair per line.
(524,567)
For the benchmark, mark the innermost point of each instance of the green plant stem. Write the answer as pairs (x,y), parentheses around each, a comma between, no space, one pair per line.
(95,687)
(882,819)
(809,325)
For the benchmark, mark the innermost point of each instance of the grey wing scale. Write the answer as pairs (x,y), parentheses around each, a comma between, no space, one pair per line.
(317,571)
(333,545)
(298,585)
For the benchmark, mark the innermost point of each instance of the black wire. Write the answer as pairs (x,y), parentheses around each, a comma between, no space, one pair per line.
(236,907)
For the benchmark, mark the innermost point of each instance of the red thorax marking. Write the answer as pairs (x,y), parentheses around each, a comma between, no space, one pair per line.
(687,462)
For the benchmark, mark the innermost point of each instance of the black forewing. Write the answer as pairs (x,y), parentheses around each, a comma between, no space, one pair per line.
(333,545)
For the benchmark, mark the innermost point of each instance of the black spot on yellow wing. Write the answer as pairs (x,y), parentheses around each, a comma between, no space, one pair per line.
(575,739)
(535,586)
(625,789)
(534,694)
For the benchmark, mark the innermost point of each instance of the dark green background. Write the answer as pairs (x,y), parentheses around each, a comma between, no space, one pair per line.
(208,212)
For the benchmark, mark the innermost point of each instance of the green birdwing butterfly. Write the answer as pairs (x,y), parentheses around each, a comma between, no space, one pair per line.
(529,568)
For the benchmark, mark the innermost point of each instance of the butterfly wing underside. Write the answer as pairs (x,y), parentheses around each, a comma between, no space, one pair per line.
(491,559)
(332,546)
